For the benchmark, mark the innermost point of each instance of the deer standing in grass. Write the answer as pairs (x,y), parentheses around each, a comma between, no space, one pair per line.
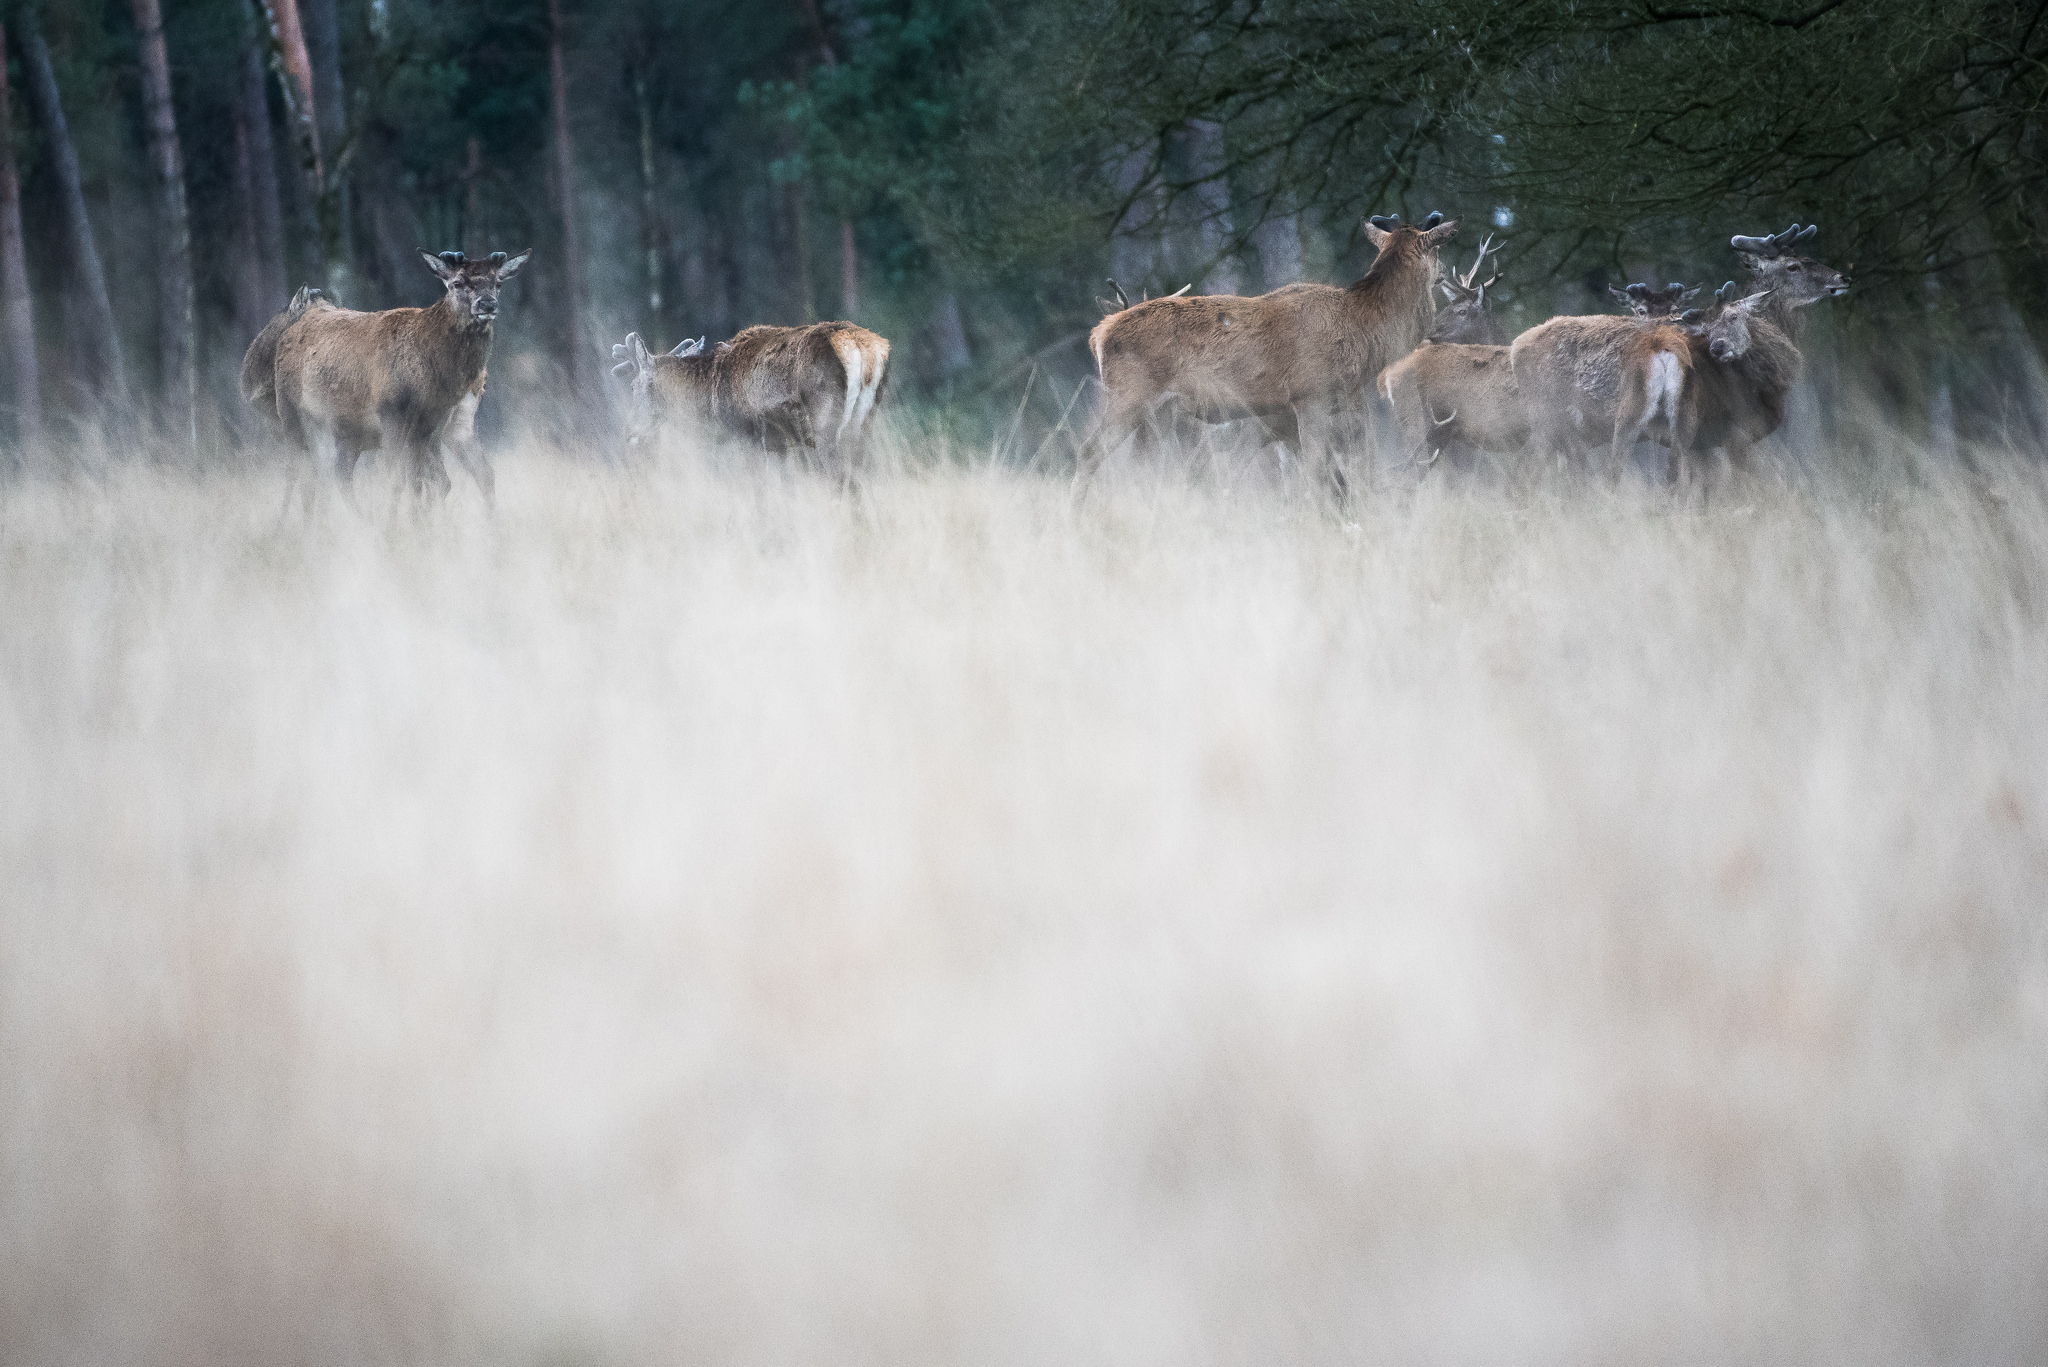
(1743,400)
(1454,394)
(405,380)
(810,388)
(1292,358)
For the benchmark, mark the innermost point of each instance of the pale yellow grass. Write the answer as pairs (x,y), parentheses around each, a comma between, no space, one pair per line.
(692,918)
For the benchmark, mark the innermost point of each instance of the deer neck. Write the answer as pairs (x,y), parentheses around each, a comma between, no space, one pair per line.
(468,340)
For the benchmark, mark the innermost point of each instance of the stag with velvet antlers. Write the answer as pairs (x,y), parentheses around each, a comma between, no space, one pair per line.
(1293,358)
(786,389)
(407,380)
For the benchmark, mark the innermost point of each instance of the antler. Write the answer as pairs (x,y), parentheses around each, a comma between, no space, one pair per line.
(1469,276)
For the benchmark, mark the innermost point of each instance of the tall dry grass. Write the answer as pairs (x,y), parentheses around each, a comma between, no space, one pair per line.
(692,917)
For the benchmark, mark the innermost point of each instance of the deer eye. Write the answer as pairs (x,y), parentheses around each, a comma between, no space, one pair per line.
(1796,266)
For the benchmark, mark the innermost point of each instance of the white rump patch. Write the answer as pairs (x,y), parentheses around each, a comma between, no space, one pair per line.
(1666,382)
(872,387)
(848,349)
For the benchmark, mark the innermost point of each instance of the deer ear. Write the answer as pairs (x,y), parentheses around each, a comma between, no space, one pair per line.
(1437,236)
(510,268)
(440,265)
(1378,236)
(1620,296)
(1689,295)
(1753,302)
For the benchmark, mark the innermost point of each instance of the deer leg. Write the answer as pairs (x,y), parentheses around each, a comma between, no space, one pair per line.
(1316,425)
(1111,431)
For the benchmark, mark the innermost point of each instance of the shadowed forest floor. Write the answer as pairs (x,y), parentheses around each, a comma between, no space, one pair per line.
(692,916)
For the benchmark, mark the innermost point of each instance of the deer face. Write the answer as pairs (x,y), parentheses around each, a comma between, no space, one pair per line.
(635,364)
(473,285)
(1644,302)
(1727,332)
(1795,280)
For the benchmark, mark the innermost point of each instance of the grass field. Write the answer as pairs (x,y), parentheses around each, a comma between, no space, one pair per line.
(695,918)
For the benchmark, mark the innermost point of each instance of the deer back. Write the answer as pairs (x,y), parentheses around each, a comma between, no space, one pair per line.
(1573,372)
(1231,354)
(363,367)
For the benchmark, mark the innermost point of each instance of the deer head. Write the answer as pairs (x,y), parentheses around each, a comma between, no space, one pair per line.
(1466,320)
(1385,230)
(1727,331)
(634,363)
(473,285)
(1643,301)
(1792,279)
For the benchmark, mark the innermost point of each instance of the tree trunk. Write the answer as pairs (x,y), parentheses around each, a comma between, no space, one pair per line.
(172,263)
(849,271)
(16,315)
(565,191)
(322,30)
(1209,245)
(85,253)
(650,221)
(949,336)
(296,69)
(265,212)
(800,240)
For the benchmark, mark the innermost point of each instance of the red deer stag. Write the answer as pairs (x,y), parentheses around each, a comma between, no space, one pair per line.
(1644,302)
(1291,358)
(1466,321)
(1617,380)
(1743,400)
(805,388)
(407,380)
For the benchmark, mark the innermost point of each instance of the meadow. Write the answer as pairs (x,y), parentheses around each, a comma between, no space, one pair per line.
(693,916)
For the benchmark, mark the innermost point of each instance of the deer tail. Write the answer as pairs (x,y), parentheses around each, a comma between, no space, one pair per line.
(871,387)
(848,348)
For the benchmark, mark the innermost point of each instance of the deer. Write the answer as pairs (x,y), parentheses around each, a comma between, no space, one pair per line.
(1619,379)
(1455,398)
(1466,320)
(809,388)
(406,380)
(1642,301)
(1744,400)
(259,362)
(1290,358)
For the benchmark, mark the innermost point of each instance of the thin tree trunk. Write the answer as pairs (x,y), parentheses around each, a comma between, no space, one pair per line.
(85,253)
(266,215)
(849,271)
(470,232)
(173,248)
(565,191)
(650,221)
(800,239)
(16,313)
(16,308)
(322,30)
(296,68)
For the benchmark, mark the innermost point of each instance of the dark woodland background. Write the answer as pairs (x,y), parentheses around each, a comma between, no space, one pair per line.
(960,177)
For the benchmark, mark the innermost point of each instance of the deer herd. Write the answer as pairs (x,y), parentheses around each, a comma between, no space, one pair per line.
(1300,362)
